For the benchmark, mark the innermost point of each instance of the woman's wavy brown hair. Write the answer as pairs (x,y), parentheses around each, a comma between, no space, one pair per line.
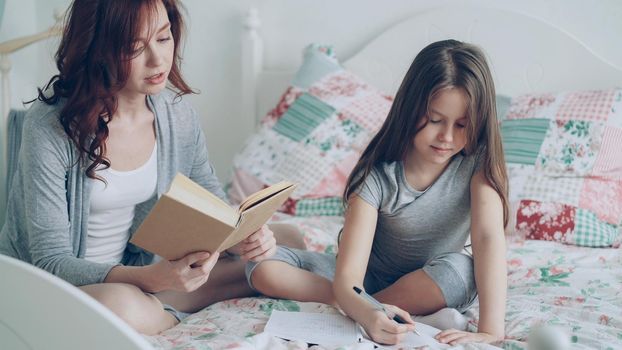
(93,61)
(440,65)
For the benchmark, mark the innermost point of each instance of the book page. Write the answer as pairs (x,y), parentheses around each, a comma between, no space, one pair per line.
(193,195)
(261,195)
(254,217)
(314,328)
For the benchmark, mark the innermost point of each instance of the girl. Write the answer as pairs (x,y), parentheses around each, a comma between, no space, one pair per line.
(102,142)
(433,175)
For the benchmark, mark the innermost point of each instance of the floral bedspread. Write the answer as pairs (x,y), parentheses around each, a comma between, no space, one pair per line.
(576,288)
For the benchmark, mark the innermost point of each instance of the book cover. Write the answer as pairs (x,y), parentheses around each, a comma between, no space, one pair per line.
(188,218)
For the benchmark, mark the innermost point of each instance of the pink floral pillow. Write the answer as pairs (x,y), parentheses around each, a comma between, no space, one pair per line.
(565,166)
(314,136)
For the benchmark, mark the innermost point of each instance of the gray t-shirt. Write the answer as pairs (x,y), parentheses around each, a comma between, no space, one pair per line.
(415,226)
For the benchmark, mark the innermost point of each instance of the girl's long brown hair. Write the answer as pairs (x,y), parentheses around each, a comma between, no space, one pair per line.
(93,62)
(440,65)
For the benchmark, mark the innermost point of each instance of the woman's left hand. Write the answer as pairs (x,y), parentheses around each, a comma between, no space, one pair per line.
(258,246)
(454,336)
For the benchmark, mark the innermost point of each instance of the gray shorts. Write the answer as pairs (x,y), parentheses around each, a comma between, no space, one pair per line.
(179,315)
(452,272)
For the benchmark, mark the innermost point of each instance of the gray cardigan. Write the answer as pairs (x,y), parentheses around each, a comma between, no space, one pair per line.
(48,205)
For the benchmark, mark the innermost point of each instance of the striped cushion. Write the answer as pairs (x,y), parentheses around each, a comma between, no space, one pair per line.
(523,138)
(302,117)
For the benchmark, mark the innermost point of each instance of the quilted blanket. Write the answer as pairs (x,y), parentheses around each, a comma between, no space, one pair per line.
(578,289)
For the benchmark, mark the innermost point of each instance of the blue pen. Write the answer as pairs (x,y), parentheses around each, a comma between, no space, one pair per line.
(397,318)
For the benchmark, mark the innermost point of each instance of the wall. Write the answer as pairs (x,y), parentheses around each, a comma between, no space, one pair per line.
(212,53)
(25,63)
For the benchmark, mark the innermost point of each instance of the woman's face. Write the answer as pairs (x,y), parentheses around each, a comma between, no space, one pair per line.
(150,66)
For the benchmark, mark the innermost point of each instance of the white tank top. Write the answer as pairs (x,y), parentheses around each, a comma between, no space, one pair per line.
(112,208)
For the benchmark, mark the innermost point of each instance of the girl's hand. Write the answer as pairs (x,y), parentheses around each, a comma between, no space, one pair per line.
(185,275)
(453,337)
(383,329)
(257,247)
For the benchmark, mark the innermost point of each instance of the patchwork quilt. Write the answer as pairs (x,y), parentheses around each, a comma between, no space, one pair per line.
(575,288)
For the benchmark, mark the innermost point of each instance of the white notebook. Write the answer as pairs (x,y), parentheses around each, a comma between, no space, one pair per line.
(337,330)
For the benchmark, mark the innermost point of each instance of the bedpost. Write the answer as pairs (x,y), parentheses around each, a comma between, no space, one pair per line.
(5,68)
(252,56)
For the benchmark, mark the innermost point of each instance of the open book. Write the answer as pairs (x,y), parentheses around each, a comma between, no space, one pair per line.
(188,218)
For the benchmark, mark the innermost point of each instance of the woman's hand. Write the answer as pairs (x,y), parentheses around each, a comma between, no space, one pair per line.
(258,246)
(185,275)
(453,337)
(383,329)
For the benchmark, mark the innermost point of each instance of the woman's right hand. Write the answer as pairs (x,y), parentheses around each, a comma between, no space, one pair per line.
(383,329)
(185,275)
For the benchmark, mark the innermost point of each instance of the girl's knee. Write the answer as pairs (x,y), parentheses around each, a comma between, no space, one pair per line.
(261,276)
(288,235)
(268,276)
(454,274)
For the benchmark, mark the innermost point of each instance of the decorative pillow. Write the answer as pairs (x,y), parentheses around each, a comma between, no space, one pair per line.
(565,165)
(503,103)
(314,136)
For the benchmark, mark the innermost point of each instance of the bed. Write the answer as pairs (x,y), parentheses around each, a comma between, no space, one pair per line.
(567,281)
(576,288)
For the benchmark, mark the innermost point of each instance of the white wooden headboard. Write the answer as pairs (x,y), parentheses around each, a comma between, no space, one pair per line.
(526,55)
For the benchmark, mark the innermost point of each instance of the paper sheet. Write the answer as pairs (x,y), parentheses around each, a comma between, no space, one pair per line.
(314,328)
(412,340)
(338,330)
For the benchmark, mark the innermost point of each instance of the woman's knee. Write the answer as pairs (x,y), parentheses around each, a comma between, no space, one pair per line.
(115,295)
(132,305)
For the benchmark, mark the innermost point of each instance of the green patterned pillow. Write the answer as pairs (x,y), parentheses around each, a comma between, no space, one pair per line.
(565,165)
(313,136)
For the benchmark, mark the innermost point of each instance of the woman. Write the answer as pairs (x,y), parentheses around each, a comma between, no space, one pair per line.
(102,142)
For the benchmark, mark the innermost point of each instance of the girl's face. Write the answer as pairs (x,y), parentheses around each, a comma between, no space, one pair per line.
(444,135)
(150,67)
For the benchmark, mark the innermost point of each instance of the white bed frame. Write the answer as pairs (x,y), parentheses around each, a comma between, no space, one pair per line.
(526,55)
(9,47)
(39,311)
